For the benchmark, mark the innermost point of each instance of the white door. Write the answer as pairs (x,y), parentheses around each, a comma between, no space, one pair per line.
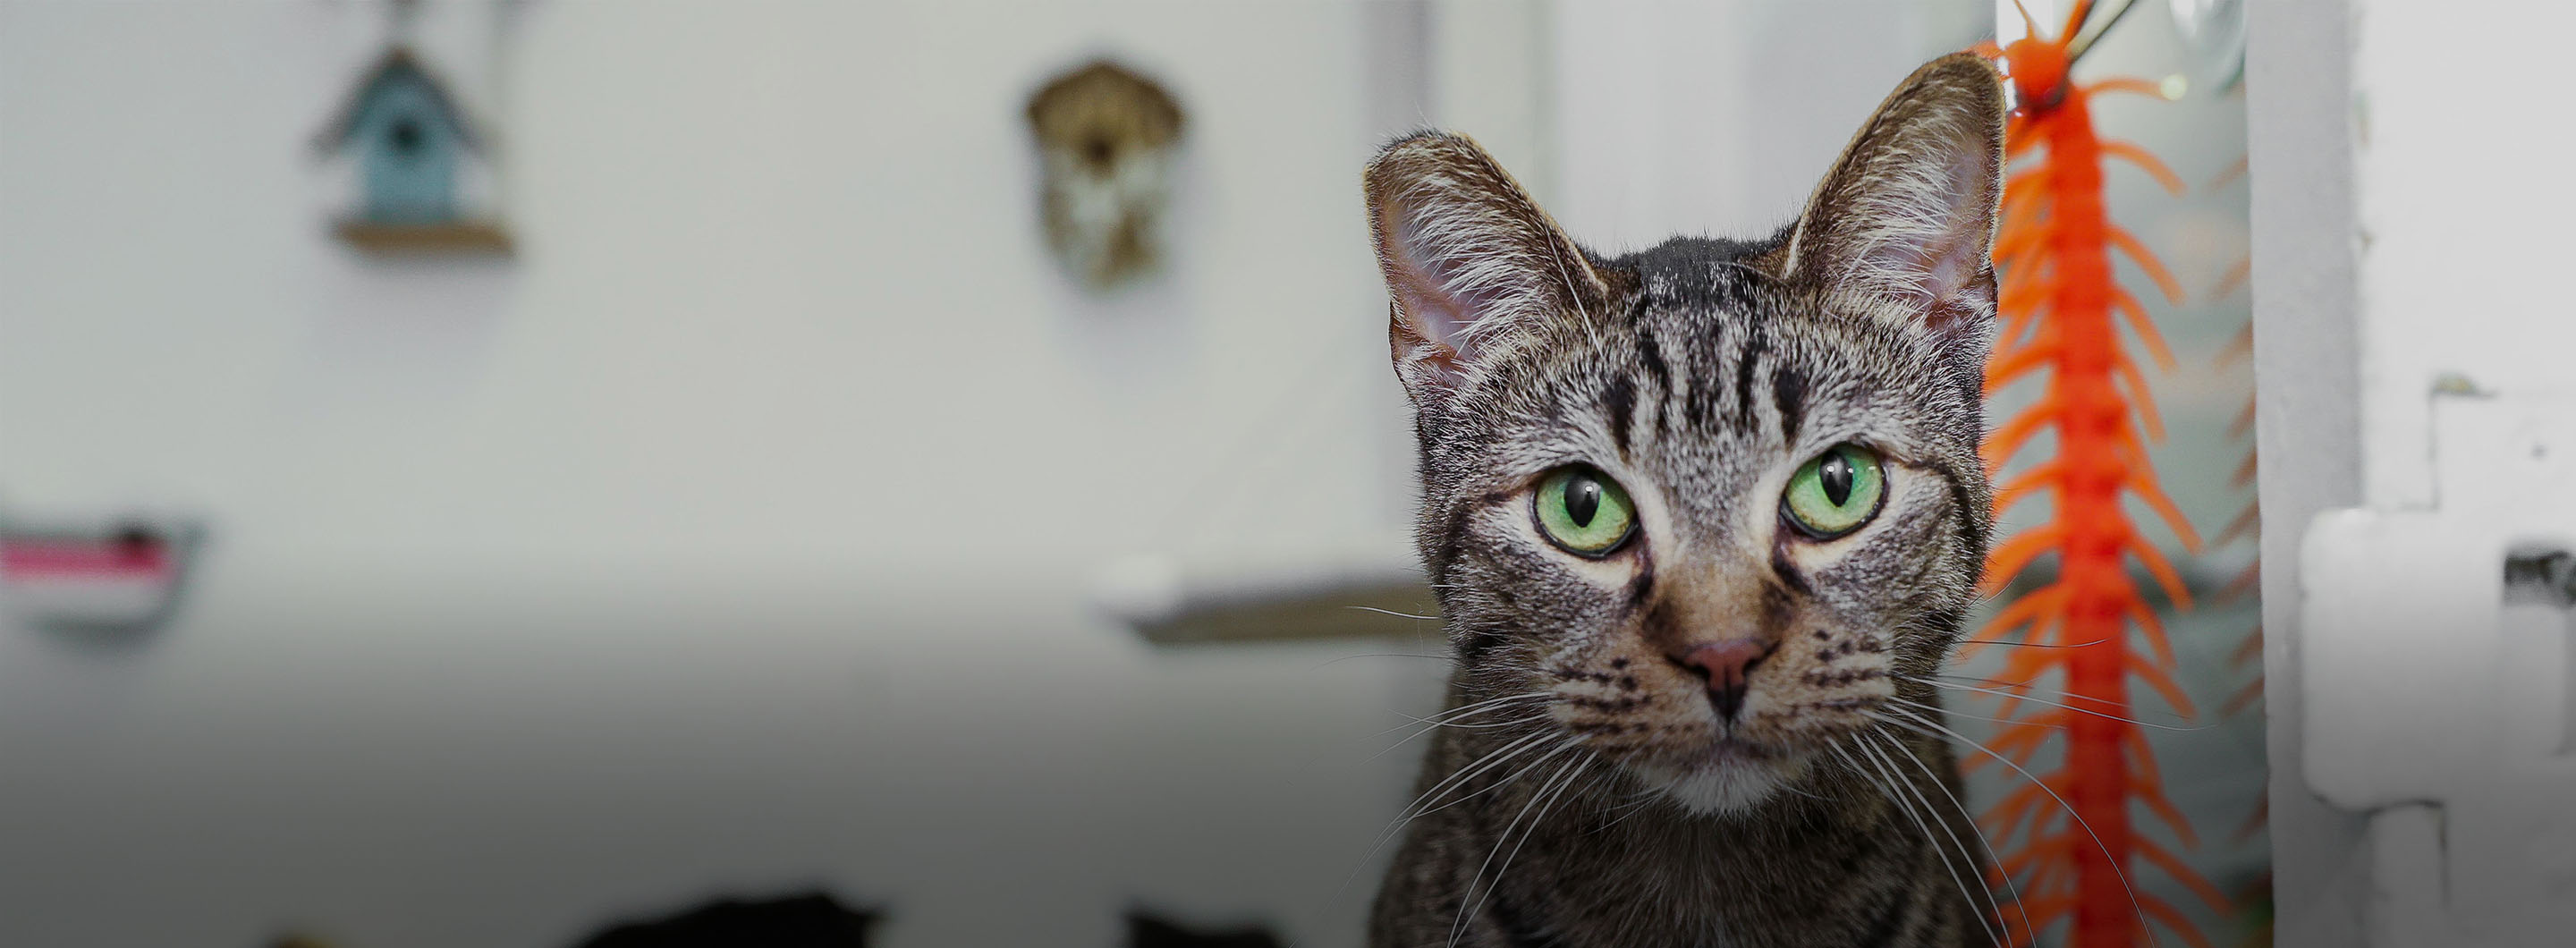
(2418,435)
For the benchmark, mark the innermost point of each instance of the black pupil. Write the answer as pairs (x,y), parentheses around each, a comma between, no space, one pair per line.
(1836,476)
(407,136)
(1582,500)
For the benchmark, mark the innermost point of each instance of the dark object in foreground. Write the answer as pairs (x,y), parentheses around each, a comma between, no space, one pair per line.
(1145,930)
(814,920)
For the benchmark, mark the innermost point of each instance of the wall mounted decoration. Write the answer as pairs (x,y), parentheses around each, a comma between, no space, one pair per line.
(2072,837)
(1105,137)
(116,577)
(420,171)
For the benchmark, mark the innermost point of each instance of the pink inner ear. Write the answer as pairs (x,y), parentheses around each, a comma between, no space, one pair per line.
(1949,265)
(1943,256)
(1421,280)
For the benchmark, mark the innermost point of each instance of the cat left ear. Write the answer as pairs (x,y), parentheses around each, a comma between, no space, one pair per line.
(1908,214)
(1469,259)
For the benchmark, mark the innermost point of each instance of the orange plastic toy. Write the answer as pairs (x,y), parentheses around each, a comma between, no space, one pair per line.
(2072,845)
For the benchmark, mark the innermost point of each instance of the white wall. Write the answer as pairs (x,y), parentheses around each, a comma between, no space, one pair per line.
(1717,119)
(790,237)
(734,534)
(2409,236)
(2307,357)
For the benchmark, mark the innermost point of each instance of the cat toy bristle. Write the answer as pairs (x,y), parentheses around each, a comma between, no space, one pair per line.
(2061,310)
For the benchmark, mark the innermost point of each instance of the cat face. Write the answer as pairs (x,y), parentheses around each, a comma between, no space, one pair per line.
(1708,504)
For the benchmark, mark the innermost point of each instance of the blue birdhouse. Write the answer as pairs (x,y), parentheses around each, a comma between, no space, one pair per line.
(419,170)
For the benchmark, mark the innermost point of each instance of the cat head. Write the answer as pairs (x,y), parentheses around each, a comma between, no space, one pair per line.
(1706,506)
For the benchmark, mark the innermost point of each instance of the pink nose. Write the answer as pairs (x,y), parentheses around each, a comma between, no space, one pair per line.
(1725,665)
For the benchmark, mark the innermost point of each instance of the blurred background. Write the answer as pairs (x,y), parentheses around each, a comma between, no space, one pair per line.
(719,482)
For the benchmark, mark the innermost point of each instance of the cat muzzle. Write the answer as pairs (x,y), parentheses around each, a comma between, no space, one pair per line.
(1725,666)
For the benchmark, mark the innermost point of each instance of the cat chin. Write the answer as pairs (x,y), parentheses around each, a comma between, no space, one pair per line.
(1724,787)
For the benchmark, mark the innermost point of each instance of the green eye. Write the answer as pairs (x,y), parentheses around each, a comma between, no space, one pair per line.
(1583,511)
(1834,493)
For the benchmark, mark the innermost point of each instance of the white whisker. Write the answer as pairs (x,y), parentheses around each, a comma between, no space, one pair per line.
(2043,701)
(1463,712)
(1430,726)
(1920,706)
(1898,781)
(2012,644)
(1345,658)
(1545,791)
(1918,724)
(1421,806)
(1391,612)
(1982,841)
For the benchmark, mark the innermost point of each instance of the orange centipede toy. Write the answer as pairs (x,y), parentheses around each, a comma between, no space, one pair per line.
(2072,844)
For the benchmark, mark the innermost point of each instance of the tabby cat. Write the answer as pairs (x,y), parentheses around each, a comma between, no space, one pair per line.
(1702,520)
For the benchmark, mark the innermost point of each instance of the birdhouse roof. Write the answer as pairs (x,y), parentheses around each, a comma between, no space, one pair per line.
(397,64)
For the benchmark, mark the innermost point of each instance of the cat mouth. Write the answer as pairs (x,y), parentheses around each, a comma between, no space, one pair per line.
(1735,751)
(1724,775)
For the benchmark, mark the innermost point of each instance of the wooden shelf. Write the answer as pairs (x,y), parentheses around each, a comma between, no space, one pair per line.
(459,238)
(1349,612)
(1369,589)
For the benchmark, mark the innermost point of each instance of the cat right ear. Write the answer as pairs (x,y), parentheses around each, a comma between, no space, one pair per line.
(1469,259)
(1905,223)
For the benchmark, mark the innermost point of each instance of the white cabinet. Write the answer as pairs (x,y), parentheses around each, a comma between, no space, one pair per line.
(2419,471)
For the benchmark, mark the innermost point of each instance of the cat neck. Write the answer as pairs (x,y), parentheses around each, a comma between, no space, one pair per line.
(1577,843)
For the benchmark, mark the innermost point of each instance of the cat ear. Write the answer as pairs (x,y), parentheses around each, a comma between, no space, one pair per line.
(1469,259)
(1908,214)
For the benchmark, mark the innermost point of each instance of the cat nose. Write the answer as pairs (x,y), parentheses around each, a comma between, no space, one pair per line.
(1725,665)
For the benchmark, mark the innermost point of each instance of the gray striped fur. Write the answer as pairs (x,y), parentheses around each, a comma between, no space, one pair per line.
(1612,807)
